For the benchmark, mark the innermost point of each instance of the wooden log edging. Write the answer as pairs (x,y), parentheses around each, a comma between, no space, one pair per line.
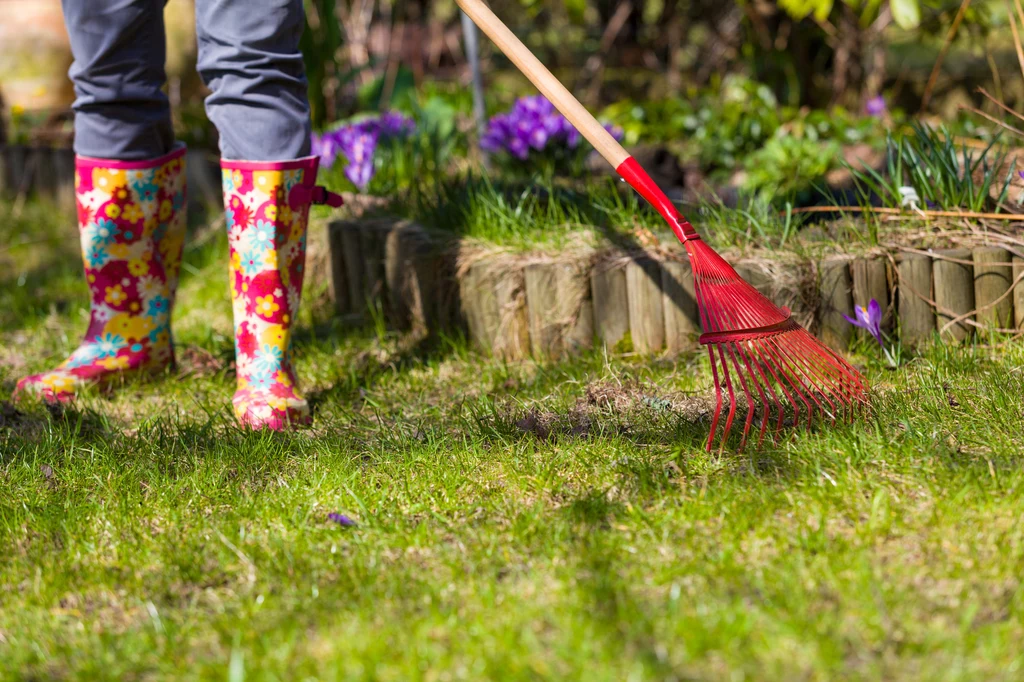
(550,306)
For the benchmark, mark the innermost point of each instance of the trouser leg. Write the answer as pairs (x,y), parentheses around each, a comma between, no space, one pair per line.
(249,57)
(119,49)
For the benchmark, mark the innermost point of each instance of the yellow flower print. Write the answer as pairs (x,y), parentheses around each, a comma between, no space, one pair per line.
(266,181)
(271,213)
(113,210)
(118,251)
(132,213)
(108,180)
(270,259)
(266,306)
(138,267)
(236,261)
(115,294)
(91,277)
(162,339)
(149,226)
(129,326)
(284,213)
(59,383)
(165,209)
(236,178)
(78,179)
(277,403)
(115,362)
(297,231)
(283,378)
(273,335)
(134,307)
(122,194)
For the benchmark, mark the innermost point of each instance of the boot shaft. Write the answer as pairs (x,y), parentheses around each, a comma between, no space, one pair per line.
(131,219)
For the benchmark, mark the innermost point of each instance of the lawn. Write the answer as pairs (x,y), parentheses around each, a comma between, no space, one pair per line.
(512,522)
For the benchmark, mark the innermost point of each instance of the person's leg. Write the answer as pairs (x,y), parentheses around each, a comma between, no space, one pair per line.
(130,192)
(118,71)
(249,57)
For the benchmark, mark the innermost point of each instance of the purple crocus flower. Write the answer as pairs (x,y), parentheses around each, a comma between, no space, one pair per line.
(869,318)
(358,146)
(326,148)
(358,141)
(875,106)
(341,519)
(532,125)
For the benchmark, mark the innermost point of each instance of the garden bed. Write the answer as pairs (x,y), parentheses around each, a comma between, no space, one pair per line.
(547,304)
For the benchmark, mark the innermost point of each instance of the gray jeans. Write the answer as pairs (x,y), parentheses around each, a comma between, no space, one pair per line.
(248,56)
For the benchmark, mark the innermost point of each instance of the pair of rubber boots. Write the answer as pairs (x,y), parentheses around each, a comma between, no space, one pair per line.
(131,218)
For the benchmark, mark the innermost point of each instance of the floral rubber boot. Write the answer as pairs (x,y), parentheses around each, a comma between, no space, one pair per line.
(267,209)
(131,217)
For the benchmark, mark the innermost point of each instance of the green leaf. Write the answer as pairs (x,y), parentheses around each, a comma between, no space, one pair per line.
(906,13)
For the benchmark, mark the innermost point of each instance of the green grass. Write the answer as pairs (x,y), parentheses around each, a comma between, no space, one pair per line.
(508,527)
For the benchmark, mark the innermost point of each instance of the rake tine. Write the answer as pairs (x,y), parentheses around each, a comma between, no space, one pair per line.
(769,350)
(817,374)
(794,379)
(718,398)
(732,401)
(759,348)
(746,392)
(819,377)
(751,361)
(833,375)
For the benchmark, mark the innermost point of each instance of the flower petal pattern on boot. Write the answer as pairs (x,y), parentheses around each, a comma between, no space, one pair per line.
(132,228)
(267,239)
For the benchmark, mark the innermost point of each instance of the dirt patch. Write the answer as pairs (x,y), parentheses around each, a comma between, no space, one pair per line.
(10,417)
(623,407)
(199,362)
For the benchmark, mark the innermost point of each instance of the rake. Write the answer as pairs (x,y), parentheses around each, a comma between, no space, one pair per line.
(757,351)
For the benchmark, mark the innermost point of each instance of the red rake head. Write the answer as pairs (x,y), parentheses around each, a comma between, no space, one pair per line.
(763,357)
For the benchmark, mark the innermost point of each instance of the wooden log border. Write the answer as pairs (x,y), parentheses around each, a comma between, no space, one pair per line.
(548,307)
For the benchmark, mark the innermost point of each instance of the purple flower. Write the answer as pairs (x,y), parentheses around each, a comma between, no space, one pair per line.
(869,318)
(532,125)
(358,141)
(341,519)
(358,146)
(394,124)
(875,106)
(326,148)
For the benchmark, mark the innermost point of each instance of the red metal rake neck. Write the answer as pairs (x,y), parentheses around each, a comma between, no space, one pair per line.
(639,180)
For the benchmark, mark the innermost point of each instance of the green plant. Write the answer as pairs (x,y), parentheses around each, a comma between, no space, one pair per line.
(788,165)
(941,173)
(755,221)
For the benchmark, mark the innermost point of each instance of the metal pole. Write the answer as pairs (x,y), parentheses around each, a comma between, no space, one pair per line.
(469,35)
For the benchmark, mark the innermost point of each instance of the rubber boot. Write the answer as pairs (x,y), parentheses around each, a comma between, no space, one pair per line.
(131,217)
(267,210)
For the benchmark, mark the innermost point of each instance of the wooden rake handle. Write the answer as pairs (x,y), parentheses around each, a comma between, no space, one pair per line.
(606,145)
